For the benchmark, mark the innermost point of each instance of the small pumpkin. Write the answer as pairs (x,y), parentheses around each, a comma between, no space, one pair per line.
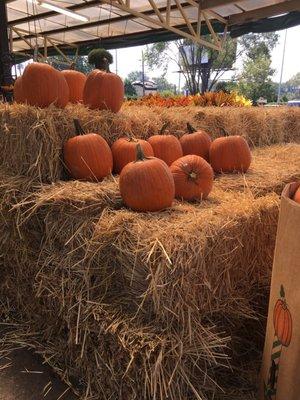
(43,85)
(76,81)
(87,156)
(103,91)
(282,320)
(297,195)
(195,142)
(193,177)
(147,184)
(166,147)
(18,91)
(124,151)
(230,154)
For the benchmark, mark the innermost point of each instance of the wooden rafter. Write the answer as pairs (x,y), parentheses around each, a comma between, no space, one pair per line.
(264,12)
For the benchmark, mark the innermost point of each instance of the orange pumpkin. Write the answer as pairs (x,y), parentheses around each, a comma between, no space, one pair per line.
(230,154)
(196,142)
(282,320)
(18,91)
(124,151)
(193,177)
(297,195)
(166,147)
(87,156)
(43,85)
(76,81)
(103,91)
(147,184)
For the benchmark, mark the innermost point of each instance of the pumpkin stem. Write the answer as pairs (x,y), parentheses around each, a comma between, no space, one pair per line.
(164,127)
(190,128)
(224,132)
(193,175)
(282,292)
(140,156)
(78,127)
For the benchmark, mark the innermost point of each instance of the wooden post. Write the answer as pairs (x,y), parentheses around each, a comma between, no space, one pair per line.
(5,58)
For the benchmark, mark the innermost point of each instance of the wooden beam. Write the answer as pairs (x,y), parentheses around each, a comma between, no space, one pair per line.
(156,10)
(211,12)
(168,12)
(141,15)
(207,4)
(27,41)
(211,29)
(264,12)
(187,21)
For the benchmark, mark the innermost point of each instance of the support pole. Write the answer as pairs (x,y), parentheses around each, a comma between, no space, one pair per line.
(5,58)
(281,72)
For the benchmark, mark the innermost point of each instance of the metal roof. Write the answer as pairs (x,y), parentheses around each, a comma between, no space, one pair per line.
(121,23)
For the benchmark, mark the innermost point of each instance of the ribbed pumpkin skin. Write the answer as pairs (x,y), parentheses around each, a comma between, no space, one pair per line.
(43,85)
(124,151)
(193,177)
(230,154)
(103,91)
(76,81)
(88,157)
(297,195)
(18,91)
(282,320)
(197,143)
(147,185)
(166,147)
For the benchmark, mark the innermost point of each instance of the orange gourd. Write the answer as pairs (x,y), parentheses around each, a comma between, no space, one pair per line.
(196,142)
(18,91)
(147,184)
(193,177)
(124,151)
(230,154)
(282,320)
(76,81)
(103,91)
(43,85)
(297,195)
(166,147)
(87,156)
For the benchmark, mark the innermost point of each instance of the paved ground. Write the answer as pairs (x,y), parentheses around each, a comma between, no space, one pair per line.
(24,377)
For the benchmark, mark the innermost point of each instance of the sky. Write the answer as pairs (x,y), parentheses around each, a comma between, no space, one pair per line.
(129,59)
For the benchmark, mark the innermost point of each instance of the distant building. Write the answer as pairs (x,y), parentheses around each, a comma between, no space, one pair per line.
(150,87)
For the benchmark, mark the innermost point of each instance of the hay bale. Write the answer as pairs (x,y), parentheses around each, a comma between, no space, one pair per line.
(271,169)
(31,139)
(158,298)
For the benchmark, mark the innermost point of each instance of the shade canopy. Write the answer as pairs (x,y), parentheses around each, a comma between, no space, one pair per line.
(123,23)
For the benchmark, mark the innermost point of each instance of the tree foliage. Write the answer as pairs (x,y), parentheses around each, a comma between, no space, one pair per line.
(137,76)
(129,89)
(163,85)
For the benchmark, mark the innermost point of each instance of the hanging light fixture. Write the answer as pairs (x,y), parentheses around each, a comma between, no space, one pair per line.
(60,10)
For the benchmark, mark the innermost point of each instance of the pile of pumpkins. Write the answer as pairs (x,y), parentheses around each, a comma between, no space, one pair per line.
(42,85)
(154,172)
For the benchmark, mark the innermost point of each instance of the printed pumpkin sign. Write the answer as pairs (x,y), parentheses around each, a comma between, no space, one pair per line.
(279,378)
(283,326)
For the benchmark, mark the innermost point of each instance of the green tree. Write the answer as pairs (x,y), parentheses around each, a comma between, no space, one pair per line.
(255,79)
(137,76)
(258,44)
(79,63)
(189,57)
(294,80)
(129,88)
(163,85)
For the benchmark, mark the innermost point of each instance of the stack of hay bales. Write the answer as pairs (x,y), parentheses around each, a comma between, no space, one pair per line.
(132,305)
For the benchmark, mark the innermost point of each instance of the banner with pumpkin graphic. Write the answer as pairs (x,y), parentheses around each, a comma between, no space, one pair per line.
(279,379)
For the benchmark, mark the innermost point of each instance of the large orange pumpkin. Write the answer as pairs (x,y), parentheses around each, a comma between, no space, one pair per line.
(166,147)
(18,91)
(43,85)
(297,195)
(196,142)
(147,184)
(103,91)
(282,320)
(230,154)
(124,151)
(193,177)
(87,156)
(76,81)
